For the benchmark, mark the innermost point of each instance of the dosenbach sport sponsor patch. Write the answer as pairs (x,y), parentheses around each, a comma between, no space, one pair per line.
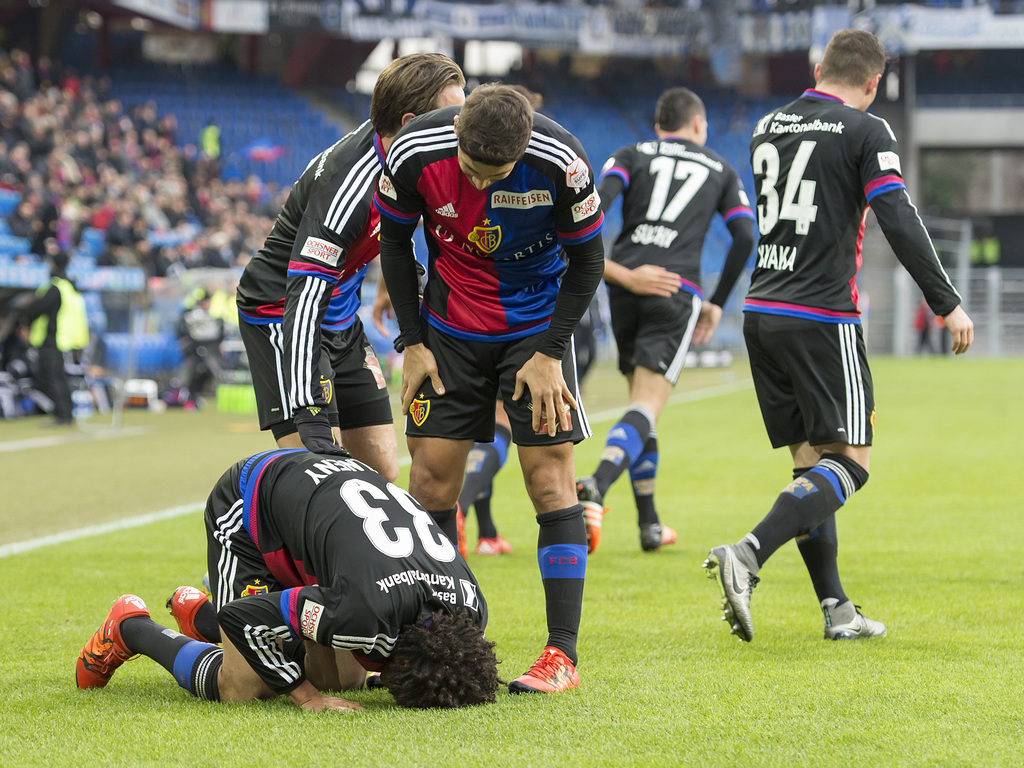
(321,250)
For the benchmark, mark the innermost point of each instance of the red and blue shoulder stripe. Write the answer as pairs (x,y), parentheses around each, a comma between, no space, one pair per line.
(393,213)
(739,212)
(584,234)
(616,170)
(884,184)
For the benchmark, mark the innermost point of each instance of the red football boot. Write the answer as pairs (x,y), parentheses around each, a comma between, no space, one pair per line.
(551,673)
(106,651)
(183,606)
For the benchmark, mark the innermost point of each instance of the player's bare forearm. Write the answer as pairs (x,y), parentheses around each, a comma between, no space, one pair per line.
(382,307)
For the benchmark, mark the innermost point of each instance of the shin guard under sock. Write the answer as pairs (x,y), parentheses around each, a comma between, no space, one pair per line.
(485,459)
(642,474)
(193,664)
(562,557)
(820,550)
(806,503)
(205,622)
(624,443)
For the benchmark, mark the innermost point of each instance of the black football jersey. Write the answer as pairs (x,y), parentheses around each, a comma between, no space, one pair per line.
(671,189)
(360,556)
(818,164)
(309,272)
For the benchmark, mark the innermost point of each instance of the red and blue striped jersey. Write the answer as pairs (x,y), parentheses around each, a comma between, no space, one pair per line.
(494,256)
(818,164)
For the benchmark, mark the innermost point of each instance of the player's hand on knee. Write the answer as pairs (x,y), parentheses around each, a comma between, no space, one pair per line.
(316,433)
(542,376)
(417,365)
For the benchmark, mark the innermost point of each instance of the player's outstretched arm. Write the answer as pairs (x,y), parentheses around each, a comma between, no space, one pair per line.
(310,699)
(961,328)
(542,377)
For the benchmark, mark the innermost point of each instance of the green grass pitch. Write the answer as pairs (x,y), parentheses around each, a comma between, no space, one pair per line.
(933,546)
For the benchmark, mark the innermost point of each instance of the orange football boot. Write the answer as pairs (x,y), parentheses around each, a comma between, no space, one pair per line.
(551,673)
(106,651)
(183,606)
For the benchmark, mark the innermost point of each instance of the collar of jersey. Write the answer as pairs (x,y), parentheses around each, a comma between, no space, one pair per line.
(822,95)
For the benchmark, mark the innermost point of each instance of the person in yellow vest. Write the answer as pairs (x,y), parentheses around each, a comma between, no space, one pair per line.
(209,148)
(58,324)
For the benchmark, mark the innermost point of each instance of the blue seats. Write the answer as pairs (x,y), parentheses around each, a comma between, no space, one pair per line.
(8,201)
(154,353)
(14,246)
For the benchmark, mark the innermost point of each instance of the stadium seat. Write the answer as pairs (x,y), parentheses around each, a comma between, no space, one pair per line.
(8,201)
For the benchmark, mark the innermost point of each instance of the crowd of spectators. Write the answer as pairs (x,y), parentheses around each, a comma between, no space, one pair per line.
(115,182)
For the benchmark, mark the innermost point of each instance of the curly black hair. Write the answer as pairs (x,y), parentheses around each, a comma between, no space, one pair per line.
(443,661)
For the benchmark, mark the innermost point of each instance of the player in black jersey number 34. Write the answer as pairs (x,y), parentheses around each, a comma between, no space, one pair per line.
(310,555)
(818,163)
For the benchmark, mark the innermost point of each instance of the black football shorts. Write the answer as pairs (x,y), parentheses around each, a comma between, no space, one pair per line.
(653,332)
(347,359)
(475,374)
(812,380)
(236,567)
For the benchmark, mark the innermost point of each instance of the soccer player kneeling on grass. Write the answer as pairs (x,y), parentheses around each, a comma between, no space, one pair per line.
(320,569)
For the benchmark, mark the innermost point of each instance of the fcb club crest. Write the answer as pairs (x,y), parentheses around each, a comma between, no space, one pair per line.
(487,239)
(327,388)
(255,589)
(419,409)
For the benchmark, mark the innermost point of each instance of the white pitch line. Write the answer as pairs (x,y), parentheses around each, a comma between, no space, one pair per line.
(52,441)
(16,548)
(682,397)
(98,530)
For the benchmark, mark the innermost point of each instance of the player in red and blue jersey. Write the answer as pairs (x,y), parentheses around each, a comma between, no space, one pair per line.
(312,366)
(671,188)
(819,162)
(313,557)
(513,225)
